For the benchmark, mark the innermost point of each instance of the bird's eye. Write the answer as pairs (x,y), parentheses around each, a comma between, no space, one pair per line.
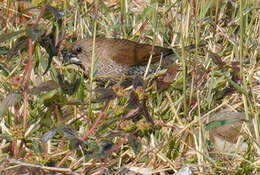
(78,49)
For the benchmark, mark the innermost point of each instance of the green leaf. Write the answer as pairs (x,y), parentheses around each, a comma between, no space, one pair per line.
(34,33)
(3,50)
(104,128)
(8,36)
(53,98)
(205,8)
(133,101)
(19,45)
(5,137)
(173,149)
(105,94)
(48,98)
(135,143)
(237,87)
(68,87)
(37,147)
(218,123)
(56,12)
(48,43)
(4,68)
(44,87)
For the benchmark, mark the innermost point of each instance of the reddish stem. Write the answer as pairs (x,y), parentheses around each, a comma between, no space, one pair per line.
(27,75)
(93,128)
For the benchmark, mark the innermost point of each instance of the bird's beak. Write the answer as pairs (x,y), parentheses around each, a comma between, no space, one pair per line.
(70,58)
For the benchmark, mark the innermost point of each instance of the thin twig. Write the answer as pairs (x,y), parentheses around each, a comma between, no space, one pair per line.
(21,163)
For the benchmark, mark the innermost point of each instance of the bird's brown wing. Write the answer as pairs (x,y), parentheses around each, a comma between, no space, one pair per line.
(130,53)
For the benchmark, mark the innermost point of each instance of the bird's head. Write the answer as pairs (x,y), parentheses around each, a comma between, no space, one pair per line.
(74,54)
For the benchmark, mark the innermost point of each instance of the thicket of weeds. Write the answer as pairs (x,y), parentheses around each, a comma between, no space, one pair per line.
(61,122)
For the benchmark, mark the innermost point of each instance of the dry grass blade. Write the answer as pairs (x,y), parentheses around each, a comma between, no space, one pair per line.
(54,169)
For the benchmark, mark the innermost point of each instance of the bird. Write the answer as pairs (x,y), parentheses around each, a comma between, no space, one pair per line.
(117,58)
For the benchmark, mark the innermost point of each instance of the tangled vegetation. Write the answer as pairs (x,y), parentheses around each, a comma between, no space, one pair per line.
(55,120)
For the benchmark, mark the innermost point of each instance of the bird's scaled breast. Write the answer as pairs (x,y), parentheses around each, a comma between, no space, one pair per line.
(110,68)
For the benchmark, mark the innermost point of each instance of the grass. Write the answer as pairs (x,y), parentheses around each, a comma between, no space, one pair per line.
(54,127)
